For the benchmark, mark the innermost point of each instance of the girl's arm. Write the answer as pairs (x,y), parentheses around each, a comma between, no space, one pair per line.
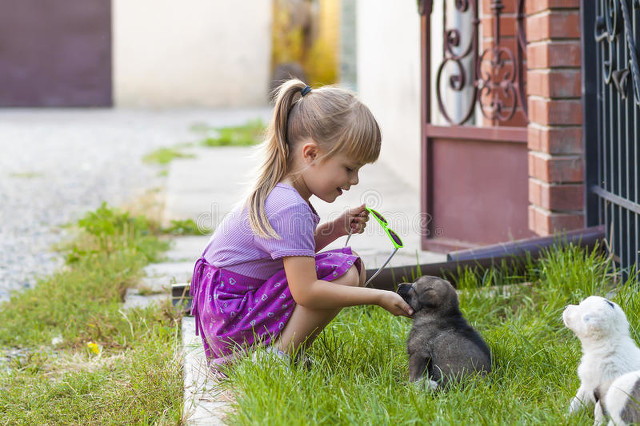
(307,290)
(328,232)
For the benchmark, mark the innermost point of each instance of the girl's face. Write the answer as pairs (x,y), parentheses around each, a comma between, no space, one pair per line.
(328,178)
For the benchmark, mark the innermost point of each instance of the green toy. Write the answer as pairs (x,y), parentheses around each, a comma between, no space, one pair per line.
(393,236)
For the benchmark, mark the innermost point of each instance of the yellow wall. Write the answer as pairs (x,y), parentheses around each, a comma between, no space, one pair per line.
(313,43)
(322,62)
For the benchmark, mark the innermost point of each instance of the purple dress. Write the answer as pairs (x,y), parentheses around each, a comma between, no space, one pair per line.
(240,293)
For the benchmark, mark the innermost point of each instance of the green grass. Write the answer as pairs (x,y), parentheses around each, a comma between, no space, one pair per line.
(250,133)
(26,175)
(132,376)
(360,371)
(108,366)
(184,227)
(164,156)
(247,134)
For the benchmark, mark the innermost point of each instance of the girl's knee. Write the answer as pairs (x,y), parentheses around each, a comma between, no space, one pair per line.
(351,277)
(362,274)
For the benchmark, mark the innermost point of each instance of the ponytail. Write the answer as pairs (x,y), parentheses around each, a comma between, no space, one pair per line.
(274,167)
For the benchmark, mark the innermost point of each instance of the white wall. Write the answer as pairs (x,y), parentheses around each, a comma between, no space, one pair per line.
(388,39)
(171,53)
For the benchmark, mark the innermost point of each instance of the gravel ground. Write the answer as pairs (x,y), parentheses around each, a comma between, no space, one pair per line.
(55,165)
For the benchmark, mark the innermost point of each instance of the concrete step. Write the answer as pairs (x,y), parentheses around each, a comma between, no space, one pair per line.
(161,275)
(155,287)
(187,248)
(135,299)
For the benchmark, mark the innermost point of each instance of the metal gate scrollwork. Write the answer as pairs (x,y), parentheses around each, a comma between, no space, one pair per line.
(496,75)
(614,19)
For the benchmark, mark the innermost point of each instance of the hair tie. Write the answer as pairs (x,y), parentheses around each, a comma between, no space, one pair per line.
(306,90)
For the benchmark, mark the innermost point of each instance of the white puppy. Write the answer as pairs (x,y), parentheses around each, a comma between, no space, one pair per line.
(608,351)
(620,400)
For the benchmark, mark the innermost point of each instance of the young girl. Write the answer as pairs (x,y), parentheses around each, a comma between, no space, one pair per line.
(261,279)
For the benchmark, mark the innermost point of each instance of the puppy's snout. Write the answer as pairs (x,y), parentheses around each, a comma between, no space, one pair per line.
(567,314)
(403,291)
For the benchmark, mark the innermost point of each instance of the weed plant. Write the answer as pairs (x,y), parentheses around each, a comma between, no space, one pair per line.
(164,156)
(360,374)
(184,227)
(247,134)
(85,360)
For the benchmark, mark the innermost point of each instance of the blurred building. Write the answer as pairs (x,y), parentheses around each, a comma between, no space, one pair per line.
(170,53)
(215,53)
(142,53)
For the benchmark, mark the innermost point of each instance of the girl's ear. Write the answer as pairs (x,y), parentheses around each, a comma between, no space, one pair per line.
(310,151)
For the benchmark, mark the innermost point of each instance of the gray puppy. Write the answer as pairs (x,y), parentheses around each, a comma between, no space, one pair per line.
(619,400)
(442,345)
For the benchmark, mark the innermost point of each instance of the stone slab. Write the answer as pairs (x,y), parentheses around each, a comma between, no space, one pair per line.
(204,403)
(187,249)
(134,299)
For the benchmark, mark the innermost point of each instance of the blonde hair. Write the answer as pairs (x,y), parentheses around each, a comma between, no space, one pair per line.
(331,117)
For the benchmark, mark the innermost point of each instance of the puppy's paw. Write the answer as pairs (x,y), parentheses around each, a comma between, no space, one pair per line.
(576,405)
(431,385)
(598,414)
(426,384)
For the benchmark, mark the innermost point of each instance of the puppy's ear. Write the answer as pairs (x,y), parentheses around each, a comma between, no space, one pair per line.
(429,298)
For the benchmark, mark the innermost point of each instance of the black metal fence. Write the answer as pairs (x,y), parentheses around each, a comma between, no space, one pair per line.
(611,90)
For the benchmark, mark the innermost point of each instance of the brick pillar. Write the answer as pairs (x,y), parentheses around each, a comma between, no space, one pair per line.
(556,169)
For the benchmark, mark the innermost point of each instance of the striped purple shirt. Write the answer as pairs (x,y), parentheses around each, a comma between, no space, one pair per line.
(236,248)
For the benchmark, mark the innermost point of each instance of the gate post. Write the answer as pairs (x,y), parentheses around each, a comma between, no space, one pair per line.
(556,171)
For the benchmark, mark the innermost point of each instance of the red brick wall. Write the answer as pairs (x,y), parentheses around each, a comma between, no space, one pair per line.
(556,167)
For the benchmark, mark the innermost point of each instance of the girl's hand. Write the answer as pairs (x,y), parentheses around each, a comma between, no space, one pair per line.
(354,219)
(328,232)
(394,303)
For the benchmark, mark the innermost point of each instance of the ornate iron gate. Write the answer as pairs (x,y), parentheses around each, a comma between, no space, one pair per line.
(611,90)
(474,135)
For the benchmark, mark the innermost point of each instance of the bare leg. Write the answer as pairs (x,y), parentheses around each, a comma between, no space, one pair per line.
(305,324)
